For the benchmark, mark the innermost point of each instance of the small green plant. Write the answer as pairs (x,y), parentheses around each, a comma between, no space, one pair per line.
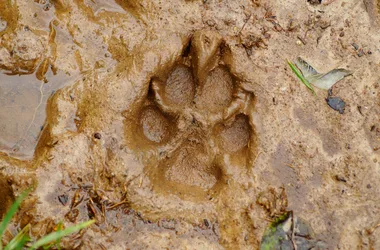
(300,76)
(22,238)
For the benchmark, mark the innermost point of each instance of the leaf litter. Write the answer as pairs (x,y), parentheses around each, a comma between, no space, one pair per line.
(311,77)
(319,80)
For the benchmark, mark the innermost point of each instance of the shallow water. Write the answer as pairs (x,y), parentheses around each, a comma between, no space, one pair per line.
(23,101)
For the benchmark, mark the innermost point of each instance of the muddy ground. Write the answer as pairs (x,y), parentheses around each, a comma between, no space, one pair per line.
(178,124)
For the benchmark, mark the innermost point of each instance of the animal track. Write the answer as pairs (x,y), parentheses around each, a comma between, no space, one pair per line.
(194,124)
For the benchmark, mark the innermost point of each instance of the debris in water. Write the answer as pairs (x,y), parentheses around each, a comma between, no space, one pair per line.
(336,103)
(322,81)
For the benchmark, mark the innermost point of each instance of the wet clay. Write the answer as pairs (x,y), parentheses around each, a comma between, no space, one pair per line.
(180,87)
(216,92)
(155,126)
(205,126)
(178,125)
(6,195)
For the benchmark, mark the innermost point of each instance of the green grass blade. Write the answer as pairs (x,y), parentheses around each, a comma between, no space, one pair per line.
(300,76)
(19,240)
(20,243)
(59,234)
(8,216)
(60,228)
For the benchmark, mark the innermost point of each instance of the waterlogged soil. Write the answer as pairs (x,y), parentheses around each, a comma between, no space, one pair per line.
(178,124)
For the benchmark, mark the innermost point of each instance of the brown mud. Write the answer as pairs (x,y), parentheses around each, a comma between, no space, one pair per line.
(177,124)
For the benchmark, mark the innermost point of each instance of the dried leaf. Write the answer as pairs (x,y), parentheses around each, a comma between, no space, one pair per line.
(322,81)
(300,76)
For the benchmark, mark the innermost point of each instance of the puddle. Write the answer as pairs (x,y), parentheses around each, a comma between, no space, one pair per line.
(23,101)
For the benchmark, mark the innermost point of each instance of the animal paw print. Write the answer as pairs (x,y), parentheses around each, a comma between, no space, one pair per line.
(194,128)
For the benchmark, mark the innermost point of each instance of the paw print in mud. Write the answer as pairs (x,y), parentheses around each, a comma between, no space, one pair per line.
(194,127)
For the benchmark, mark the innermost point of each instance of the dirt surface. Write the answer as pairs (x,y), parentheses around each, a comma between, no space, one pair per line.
(179,125)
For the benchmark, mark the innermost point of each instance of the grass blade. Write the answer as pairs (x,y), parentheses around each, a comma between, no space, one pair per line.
(19,240)
(60,228)
(8,216)
(59,234)
(300,76)
(20,243)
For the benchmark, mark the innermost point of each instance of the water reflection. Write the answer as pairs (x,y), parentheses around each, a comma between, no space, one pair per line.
(23,100)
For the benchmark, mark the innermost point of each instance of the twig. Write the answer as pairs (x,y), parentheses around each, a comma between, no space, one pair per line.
(140,183)
(245,24)
(117,204)
(301,39)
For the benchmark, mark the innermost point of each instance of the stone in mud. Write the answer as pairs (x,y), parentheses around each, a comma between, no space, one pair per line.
(336,103)
(315,1)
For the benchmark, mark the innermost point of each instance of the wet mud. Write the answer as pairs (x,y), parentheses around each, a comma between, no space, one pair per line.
(193,123)
(177,124)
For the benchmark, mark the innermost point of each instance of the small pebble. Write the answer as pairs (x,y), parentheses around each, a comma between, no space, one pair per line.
(336,103)
(207,224)
(356,47)
(341,34)
(340,178)
(360,53)
(63,199)
(97,136)
(315,1)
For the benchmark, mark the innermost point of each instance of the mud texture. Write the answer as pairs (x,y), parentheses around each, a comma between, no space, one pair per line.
(178,124)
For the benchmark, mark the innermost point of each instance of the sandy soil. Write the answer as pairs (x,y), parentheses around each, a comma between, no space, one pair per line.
(179,125)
